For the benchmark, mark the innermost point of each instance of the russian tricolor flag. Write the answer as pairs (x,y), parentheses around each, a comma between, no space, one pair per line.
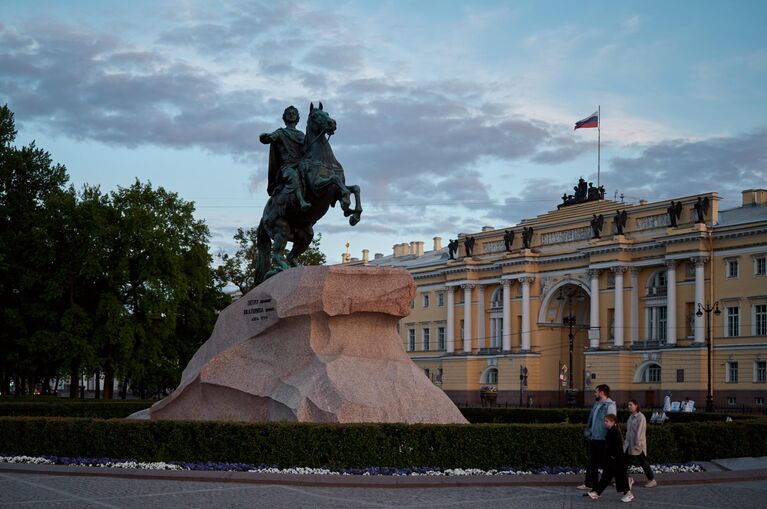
(590,121)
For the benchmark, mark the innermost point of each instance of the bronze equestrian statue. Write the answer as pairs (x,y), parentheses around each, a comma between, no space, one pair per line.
(305,179)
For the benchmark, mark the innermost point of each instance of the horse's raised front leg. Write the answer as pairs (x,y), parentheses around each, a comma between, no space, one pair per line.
(357,212)
(342,189)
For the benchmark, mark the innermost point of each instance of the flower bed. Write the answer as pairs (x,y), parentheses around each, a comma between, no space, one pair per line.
(245,467)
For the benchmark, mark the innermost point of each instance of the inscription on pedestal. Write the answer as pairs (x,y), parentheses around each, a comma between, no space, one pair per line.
(258,310)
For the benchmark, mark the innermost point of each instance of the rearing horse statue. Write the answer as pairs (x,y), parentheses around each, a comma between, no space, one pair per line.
(301,193)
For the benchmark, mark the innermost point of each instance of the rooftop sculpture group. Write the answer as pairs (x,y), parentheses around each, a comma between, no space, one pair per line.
(583,193)
(305,179)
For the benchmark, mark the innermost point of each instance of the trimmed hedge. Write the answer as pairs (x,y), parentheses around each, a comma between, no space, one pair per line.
(117,409)
(360,445)
(102,409)
(577,416)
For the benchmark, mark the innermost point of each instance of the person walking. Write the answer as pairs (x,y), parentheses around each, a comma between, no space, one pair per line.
(595,434)
(614,465)
(635,445)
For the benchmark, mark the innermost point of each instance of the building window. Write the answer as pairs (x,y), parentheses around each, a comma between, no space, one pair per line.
(652,374)
(732,269)
(492,376)
(759,401)
(760,320)
(426,300)
(760,371)
(426,339)
(656,317)
(439,376)
(732,401)
(412,304)
(441,299)
(427,372)
(689,271)
(496,301)
(731,375)
(733,321)
(462,330)
(496,332)
(657,283)
(611,321)
(440,338)
(411,340)
(760,265)
(680,375)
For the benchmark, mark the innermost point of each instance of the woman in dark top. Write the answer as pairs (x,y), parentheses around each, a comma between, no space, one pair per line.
(615,466)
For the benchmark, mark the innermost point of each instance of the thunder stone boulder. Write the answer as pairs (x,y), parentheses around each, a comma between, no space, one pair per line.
(311,344)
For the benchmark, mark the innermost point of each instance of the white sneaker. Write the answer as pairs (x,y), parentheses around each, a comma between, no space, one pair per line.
(651,484)
(594,495)
(628,497)
(584,487)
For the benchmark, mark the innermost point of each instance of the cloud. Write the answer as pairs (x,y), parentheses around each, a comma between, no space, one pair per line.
(215,80)
(682,167)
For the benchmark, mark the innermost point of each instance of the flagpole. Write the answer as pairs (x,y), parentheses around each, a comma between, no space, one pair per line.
(599,143)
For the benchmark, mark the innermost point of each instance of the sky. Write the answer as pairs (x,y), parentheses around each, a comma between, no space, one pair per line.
(451,115)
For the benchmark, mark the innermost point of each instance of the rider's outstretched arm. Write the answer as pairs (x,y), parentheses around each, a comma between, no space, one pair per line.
(267,138)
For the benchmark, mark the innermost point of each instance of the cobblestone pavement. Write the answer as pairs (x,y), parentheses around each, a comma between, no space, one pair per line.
(34,490)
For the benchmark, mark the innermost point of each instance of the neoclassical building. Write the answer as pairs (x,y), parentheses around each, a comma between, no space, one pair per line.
(594,292)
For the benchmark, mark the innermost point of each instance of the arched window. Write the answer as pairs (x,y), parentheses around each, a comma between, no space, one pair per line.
(649,373)
(489,376)
(656,285)
(496,299)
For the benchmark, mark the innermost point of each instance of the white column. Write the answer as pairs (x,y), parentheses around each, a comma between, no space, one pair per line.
(506,315)
(594,316)
(634,320)
(525,333)
(700,335)
(450,340)
(618,306)
(671,302)
(467,336)
(482,341)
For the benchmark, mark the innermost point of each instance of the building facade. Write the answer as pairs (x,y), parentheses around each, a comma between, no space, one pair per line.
(596,292)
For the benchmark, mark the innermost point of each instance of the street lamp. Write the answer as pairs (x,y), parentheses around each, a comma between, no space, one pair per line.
(708,309)
(569,321)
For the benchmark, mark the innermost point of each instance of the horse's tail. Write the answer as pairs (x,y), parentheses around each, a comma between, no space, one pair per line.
(263,259)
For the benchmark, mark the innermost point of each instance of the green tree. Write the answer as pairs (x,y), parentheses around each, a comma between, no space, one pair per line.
(165,271)
(240,268)
(30,298)
(116,282)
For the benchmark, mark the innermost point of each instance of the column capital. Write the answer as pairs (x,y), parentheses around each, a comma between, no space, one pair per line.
(593,272)
(526,279)
(699,260)
(506,282)
(620,269)
(468,286)
(670,264)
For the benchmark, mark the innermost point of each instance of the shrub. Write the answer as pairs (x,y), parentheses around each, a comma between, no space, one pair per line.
(576,416)
(102,409)
(360,445)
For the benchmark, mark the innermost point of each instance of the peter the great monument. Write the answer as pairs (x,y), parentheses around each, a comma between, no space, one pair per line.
(308,344)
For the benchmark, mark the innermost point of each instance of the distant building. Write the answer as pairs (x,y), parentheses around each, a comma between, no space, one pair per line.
(500,317)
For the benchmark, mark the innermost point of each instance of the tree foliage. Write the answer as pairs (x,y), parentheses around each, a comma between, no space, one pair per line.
(240,268)
(90,282)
